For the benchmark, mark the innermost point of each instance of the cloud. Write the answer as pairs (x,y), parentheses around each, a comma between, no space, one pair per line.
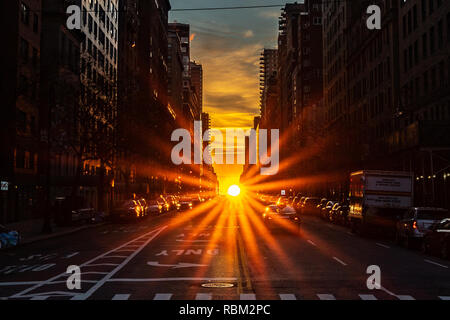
(272,14)
(248,34)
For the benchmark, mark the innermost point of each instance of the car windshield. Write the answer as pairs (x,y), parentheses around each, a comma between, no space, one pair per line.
(432,215)
(312,201)
(153,202)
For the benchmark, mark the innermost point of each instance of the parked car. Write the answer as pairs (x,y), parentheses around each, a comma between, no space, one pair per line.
(172,200)
(155,206)
(275,217)
(342,216)
(144,207)
(86,215)
(129,209)
(416,221)
(185,203)
(324,213)
(322,204)
(437,239)
(333,212)
(309,205)
(8,238)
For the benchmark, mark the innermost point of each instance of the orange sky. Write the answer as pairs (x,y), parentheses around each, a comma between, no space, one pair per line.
(228,44)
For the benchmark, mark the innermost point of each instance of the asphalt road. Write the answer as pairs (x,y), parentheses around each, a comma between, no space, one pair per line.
(219,251)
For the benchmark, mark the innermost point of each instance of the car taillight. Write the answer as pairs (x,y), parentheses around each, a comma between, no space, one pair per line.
(414,225)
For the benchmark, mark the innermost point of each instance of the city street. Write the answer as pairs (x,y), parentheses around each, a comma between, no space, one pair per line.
(178,254)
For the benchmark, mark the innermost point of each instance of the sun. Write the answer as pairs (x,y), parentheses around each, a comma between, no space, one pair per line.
(234,190)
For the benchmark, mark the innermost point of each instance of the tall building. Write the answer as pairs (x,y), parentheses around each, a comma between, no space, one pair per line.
(197,83)
(268,70)
(175,76)
(145,107)
(20,112)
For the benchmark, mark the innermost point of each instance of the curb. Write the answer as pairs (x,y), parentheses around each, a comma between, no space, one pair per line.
(59,234)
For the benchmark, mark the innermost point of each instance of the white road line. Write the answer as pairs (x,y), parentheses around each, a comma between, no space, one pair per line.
(312,243)
(383,245)
(163,296)
(349,233)
(404,297)
(435,263)
(168,279)
(203,296)
(24,292)
(247,296)
(25,283)
(178,240)
(108,257)
(94,288)
(340,261)
(367,297)
(444,297)
(326,297)
(284,296)
(103,265)
(40,298)
(121,297)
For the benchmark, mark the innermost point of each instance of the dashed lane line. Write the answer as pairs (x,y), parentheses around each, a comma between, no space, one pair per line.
(121,297)
(286,296)
(382,245)
(326,297)
(312,243)
(163,296)
(436,264)
(340,261)
(203,296)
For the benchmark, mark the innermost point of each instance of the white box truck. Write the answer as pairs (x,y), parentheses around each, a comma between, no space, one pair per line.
(378,199)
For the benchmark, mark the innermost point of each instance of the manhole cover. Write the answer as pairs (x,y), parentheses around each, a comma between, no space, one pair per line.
(217,285)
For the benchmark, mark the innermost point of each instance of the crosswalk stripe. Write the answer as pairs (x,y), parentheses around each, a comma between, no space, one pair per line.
(203,296)
(248,296)
(284,296)
(444,297)
(40,298)
(367,297)
(326,297)
(163,296)
(401,297)
(121,297)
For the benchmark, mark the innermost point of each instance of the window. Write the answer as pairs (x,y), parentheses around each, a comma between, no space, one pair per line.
(35,57)
(424,46)
(24,13)
(432,43)
(424,10)
(440,34)
(35,23)
(24,49)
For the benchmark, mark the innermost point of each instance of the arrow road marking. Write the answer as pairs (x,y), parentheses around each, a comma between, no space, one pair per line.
(175,266)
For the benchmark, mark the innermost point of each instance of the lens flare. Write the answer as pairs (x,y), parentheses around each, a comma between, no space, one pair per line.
(234,190)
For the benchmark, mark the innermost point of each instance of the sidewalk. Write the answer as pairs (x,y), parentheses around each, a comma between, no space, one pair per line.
(31,230)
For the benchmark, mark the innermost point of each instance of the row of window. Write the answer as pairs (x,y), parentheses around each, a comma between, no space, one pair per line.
(25,17)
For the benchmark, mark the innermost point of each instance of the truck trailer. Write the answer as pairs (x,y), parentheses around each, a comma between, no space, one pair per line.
(378,199)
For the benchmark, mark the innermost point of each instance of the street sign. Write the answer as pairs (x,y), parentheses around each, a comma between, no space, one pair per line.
(283,192)
(4,186)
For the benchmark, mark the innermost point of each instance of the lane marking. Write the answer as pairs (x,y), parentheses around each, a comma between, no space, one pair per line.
(22,293)
(103,265)
(121,297)
(340,261)
(178,240)
(435,263)
(247,296)
(94,288)
(163,296)
(312,243)
(284,296)
(40,298)
(349,233)
(326,297)
(25,283)
(169,279)
(383,245)
(405,297)
(367,297)
(203,296)
(444,297)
